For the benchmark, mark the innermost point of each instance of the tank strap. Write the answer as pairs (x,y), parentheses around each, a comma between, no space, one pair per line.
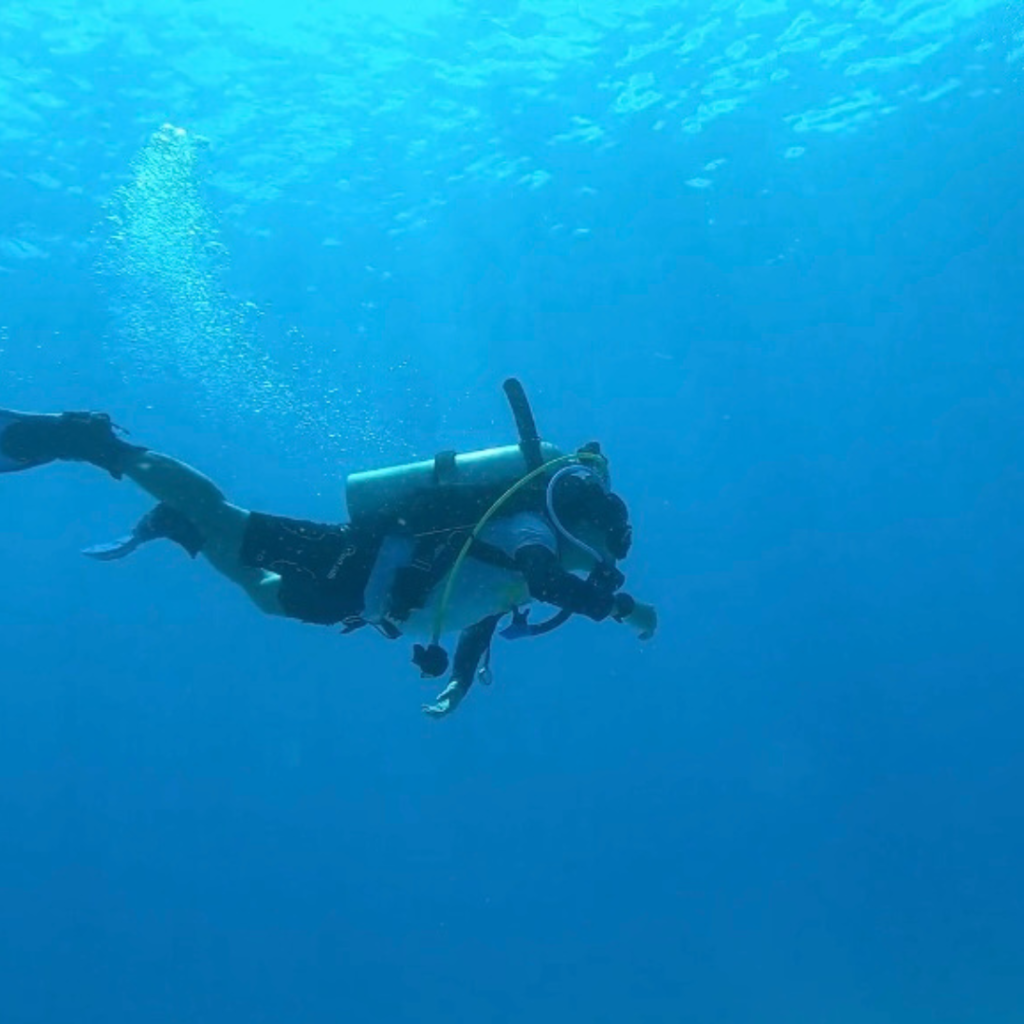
(446,473)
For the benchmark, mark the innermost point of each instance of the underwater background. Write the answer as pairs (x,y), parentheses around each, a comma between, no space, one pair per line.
(770,254)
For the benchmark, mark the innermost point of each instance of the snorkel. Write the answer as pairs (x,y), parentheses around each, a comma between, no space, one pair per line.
(576,469)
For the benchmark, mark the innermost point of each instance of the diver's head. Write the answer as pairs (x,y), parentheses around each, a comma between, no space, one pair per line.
(589,515)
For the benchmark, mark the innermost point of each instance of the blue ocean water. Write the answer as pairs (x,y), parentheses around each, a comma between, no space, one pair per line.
(770,254)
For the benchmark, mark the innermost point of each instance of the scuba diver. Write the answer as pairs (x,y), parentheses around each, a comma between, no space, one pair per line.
(458,542)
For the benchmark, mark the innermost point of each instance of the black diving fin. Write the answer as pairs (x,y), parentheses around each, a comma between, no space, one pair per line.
(9,463)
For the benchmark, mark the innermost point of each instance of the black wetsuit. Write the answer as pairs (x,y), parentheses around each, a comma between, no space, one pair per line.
(324,568)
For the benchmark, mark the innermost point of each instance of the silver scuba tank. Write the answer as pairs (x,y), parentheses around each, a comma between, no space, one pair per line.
(402,494)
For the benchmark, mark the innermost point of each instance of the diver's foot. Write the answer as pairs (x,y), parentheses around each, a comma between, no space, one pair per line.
(29,440)
(162,522)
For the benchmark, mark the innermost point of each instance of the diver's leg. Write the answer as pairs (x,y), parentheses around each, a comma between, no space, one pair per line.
(28,440)
(222,524)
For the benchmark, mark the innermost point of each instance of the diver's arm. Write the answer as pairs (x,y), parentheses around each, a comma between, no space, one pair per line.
(595,598)
(552,584)
(472,646)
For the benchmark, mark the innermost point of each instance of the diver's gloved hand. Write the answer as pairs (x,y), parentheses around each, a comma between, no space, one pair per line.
(641,618)
(447,700)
